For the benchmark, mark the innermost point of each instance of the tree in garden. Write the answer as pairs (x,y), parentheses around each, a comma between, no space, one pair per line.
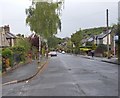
(34,40)
(69,46)
(76,39)
(23,42)
(43,18)
(53,42)
(23,47)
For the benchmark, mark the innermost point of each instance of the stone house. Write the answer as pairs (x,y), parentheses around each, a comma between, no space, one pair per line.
(7,39)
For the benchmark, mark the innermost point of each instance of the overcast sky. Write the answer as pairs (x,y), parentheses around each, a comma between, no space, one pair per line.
(76,14)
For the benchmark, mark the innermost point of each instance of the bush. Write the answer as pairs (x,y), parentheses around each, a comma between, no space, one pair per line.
(8,55)
(101,48)
(19,50)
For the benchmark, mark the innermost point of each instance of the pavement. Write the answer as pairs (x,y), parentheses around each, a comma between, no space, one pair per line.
(103,59)
(22,72)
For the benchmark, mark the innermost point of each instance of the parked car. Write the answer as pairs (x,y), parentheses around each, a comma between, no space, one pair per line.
(52,53)
(63,52)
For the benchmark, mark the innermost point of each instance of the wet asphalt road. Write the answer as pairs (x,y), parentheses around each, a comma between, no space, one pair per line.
(69,75)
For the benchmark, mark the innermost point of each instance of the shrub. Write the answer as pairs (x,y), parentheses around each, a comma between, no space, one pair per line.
(101,48)
(8,54)
(19,50)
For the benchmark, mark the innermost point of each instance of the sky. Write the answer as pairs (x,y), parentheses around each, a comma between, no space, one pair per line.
(75,15)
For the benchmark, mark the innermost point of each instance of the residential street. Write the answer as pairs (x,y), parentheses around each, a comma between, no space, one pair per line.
(69,75)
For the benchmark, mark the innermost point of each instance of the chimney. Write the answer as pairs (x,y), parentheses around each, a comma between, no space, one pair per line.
(7,28)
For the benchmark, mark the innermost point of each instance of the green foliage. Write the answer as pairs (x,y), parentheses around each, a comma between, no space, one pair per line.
(88,44)
(69,46)
(43,52)
(34,52)
(90,47)
(94,46)
(43,18)
(18,49)
(54,41)
(92,31)
(23,42)
(7,53)
(76,38)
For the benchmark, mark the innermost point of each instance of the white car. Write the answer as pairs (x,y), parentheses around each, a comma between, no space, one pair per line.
(63,52)
(52,53)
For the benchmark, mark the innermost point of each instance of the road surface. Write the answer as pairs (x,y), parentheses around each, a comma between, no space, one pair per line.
(69,75)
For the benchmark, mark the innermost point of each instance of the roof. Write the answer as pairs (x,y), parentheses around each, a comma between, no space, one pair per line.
(90,39)
(103,34)
(10,35)
(84,40)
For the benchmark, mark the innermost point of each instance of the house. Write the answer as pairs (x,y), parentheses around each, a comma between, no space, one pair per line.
(84,41)
(3,40)
(102,38)
(91,40)
(7,39)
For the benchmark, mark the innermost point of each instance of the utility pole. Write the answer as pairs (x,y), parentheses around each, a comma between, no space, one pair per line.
(108,34)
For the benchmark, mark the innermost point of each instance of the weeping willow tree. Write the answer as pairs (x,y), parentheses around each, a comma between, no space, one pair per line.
(44,17)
